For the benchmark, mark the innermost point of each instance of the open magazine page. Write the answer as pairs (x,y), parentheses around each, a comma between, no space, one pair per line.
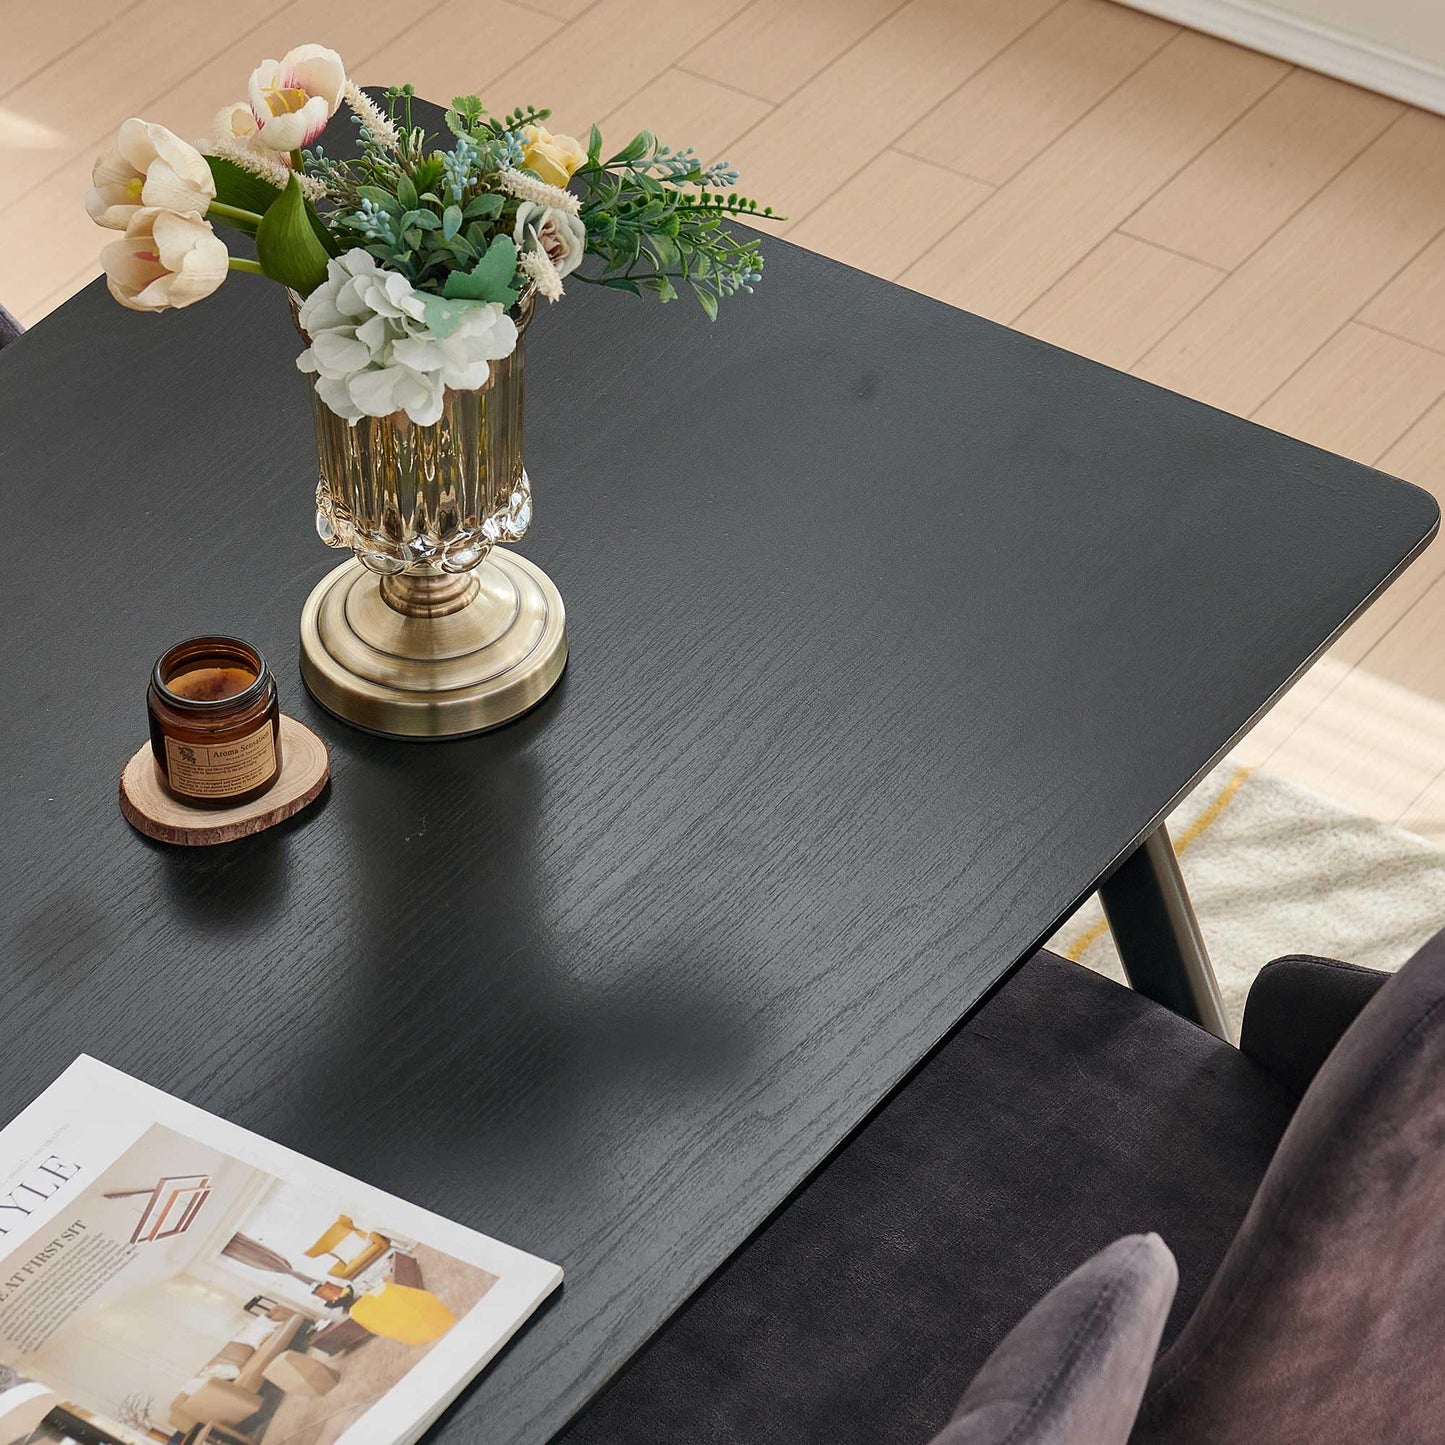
(167,1278)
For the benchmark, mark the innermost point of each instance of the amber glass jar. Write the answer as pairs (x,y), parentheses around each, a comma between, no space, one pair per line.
(215,722)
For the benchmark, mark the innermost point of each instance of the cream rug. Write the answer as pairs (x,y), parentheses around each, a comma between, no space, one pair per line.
(1273,869)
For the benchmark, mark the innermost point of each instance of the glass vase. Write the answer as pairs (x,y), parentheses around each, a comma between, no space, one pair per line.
(433,629)
(422,499)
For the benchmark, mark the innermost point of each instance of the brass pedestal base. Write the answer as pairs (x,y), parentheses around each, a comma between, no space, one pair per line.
(433,656)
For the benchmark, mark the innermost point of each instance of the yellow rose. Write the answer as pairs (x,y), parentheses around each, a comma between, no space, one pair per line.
(553,157)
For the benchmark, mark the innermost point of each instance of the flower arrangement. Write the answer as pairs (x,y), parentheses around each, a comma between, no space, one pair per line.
(412,259)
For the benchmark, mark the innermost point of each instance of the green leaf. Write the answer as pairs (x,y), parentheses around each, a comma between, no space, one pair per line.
(623,283)
(487,206)
(444,314)
(406,192)
(235,187)
(635,149)
(594,146)
(379,197)
(489,279)
(465,112)
(419,218)
(709,304)
(451,222)
(286,246)
(321,232)
(664,251)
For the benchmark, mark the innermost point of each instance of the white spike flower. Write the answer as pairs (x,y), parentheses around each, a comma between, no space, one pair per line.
(265,165)
(529,188)
(378,124)
(540,271)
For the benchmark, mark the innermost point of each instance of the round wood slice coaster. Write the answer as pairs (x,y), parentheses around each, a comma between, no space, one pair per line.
(305,767)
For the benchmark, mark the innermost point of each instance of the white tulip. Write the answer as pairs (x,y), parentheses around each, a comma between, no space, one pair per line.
(164,260)
(149,166)
(293,98)
(236,121)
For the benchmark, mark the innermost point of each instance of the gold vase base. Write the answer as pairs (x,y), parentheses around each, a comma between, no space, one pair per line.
(434,656)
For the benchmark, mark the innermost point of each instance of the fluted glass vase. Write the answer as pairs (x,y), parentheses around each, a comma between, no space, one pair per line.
(427,499)
(434,629)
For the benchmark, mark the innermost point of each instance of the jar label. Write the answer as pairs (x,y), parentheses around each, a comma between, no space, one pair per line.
(221,770)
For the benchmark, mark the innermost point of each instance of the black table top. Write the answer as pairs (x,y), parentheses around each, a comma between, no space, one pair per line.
(891,631)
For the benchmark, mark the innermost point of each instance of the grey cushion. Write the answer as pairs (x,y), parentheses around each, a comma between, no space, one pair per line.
(10,328)
(1324,1322)
(1073,1370)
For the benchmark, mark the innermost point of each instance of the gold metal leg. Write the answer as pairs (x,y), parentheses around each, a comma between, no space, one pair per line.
(1158,936)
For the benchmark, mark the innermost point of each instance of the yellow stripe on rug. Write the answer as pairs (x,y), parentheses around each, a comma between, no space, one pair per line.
(1196,829)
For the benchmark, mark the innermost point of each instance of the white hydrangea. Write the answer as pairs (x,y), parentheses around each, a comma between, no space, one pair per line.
(378,346)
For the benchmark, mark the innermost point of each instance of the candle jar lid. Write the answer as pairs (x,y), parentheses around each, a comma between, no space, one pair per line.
(215,721)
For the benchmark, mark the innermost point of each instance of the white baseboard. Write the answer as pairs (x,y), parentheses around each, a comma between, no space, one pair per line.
(1308,43)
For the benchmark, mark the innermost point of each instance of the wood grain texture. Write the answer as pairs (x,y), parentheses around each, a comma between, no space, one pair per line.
(1119,300)
(894,75)
(1372,744)
(769,50)
(1049,78)
(608,53)
(839,227)
(1389,384)
(1067,200)
(685,109)
(1419,456)
(1278,308)
(1290,713)
(35,36)
(860,705)
(459,47)
(1413,304)
(1397,656)
(1225,204)
(149,808)
(1426,815)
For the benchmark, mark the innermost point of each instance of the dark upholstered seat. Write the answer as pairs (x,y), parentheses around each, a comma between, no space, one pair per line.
(10,328)
(1066,1112)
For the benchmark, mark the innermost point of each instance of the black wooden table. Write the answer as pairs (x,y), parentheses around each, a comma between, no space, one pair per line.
(893,633)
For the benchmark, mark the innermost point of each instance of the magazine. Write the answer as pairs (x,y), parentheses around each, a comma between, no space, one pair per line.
(168,1278)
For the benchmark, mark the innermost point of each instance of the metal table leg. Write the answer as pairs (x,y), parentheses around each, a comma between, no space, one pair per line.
(1158,936)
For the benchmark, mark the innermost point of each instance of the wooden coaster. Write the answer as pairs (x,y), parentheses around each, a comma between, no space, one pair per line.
(305,767)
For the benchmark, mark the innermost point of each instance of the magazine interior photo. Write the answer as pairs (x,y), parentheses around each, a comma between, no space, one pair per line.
(188,1298)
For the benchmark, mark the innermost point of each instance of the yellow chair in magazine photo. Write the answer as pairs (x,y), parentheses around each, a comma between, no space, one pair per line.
(366,1246)
(403,1313)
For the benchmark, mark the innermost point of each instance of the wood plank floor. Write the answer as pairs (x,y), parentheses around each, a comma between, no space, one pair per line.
(1258,236)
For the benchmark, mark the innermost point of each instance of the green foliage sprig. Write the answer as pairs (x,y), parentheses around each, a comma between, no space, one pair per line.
(655,217)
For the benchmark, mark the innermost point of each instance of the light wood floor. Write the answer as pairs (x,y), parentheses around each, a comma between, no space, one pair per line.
(1249,233)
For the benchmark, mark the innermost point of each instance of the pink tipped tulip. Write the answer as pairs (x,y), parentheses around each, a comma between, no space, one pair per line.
(293,98)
